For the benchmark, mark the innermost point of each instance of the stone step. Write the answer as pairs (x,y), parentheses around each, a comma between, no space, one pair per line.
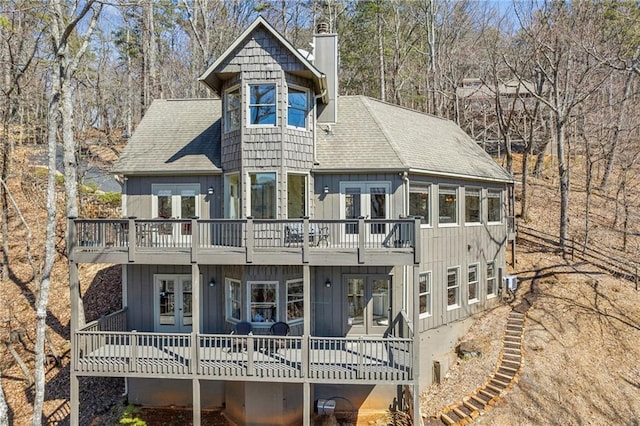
(489,386)
(504,376)
(504,367)
(471,406)
(499,382)
(446,419)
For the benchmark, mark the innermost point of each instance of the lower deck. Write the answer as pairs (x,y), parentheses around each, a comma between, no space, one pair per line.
(295,359)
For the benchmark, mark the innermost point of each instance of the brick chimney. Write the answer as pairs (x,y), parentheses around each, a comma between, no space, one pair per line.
(325,54)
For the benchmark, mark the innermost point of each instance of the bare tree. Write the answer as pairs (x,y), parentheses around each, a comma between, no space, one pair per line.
(570,73)
(61,27)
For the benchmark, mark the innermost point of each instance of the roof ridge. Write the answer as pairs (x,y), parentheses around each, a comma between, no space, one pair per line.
(259,21)
(389,140)
(187,99)
(406,108)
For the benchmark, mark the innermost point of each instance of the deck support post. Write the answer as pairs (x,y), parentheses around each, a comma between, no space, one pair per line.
(75,400)
(305,239)
(195,341)
(362,239)
(249,238)
(132,237)
(415,319)
(196,402)
(74,292)
(306,332)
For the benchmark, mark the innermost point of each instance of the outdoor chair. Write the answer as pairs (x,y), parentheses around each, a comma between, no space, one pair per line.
(242,328)
(294,234)
(278,329)
(165,233)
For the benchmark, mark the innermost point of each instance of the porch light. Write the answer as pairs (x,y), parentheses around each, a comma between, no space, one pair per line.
(326,189)
(327,283)
(210,190)
(212,283)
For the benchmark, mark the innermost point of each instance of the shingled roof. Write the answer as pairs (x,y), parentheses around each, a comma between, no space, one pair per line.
(183,137)
(373,135)
(175,137)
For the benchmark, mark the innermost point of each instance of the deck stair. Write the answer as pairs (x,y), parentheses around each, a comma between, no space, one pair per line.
(504,377)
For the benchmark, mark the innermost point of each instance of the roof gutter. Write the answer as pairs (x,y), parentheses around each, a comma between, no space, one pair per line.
(461,176)
(321,170)
(126,173)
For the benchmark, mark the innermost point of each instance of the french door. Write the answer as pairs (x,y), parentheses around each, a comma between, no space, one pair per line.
(369,200)
(179,201)
(368,304)
(173,306)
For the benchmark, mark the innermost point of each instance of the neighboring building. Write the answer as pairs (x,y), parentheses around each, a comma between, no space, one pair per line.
(373,231)
(477,106)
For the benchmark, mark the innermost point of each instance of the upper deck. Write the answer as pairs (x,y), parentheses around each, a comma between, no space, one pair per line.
(245,241)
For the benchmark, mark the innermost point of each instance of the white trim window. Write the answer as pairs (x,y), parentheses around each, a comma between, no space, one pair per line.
(419,203)
(232,103)
(453,287)
(494,206)
(472,206)
(491,279)
(263,301)
(472,283)
(296,196)
(448,205)
(424,285)
(232,195)
(262,104)
(233,296)
(295,300)
(297,108)
(262,194)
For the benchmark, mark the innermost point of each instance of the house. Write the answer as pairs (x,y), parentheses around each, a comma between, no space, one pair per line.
(478,101)
(374,232)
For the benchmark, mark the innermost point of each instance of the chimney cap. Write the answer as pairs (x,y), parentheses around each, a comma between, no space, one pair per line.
(322,28)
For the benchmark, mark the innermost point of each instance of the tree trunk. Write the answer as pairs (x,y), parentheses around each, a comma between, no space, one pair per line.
(563,174)
(588,190)
(611,155)
(50,253)
(69,147)
(381,56)
(524,197)
(4,410)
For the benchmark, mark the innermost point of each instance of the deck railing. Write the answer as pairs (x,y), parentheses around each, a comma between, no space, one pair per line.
(115,321)
(91,235)
(360,358)
(290,358)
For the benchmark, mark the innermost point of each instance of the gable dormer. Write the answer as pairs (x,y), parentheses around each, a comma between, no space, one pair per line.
(268,90)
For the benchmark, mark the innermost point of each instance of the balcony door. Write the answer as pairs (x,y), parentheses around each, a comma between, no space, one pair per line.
(370,200)
(368,302)
(173,303)
(179,201)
